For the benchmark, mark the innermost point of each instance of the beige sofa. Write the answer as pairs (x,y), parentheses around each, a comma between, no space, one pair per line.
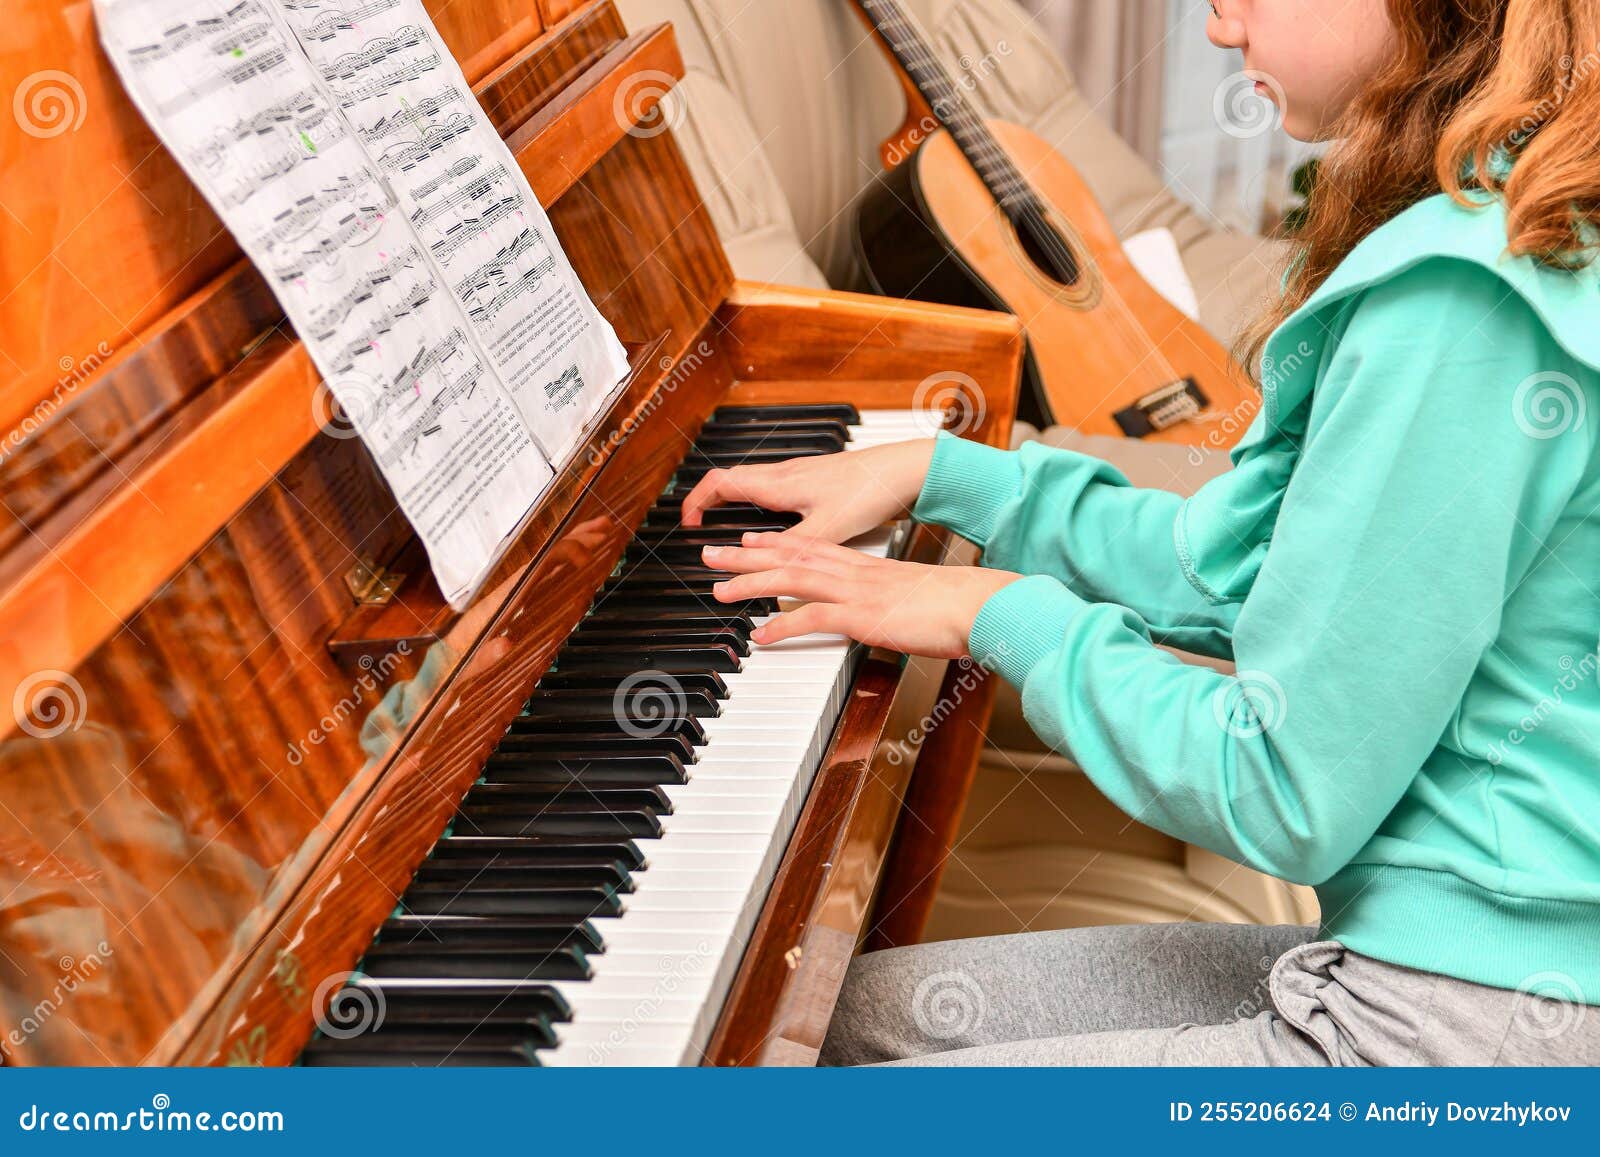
(780,116)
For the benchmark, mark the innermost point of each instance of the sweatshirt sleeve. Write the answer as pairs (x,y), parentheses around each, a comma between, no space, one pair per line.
(1396,543)
(1047,511)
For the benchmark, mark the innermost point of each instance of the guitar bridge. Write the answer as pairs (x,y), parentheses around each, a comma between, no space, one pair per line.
(1163,409)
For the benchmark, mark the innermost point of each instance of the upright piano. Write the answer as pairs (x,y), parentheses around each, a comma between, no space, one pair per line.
(265,798)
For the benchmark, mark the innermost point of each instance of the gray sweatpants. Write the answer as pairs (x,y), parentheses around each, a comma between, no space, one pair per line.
(1187,994)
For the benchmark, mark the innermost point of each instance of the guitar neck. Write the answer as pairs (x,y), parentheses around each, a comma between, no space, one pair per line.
(944,96)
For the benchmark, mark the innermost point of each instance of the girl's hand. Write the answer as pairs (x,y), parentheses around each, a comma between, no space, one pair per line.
(903,606)
(838,495)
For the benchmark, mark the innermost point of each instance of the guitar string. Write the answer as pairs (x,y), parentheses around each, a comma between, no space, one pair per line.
(911,47)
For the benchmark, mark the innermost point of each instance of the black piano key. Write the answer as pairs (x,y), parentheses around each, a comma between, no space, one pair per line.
(404,1033)
(471,847)
(610,633)
(559,819)
(667,660)
(327,1052)
(574,872)
(598,771)
(826,427)
(574,747)
(708,681)
(633,724)
(491,895)
(416,1003)
(529,931)
(727,459)
(690,575)
(798,412)
(474,962)
(720,518)
(536,797)
(664,603)
(729,439)
(599,705)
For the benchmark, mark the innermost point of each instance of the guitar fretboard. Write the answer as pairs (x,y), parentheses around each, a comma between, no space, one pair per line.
(944,95)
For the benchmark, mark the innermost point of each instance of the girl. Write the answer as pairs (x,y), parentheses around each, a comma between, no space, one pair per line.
(1402,565)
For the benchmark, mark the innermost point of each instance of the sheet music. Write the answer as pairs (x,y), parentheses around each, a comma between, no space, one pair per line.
(344,149)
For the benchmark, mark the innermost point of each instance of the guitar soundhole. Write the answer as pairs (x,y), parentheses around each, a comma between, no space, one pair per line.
(1051,253)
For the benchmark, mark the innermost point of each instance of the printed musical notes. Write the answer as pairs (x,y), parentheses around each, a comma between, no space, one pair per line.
(346,152)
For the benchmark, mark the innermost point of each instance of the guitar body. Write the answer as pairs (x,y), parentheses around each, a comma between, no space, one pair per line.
(932,230)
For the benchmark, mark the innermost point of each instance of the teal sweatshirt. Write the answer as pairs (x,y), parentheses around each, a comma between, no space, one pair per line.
(1404,566)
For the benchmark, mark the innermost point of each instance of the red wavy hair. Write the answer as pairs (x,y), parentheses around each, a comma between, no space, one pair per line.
(1470,81)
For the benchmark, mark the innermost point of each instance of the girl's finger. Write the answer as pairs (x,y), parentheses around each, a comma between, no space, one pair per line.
(719,487)
(747,559)
(795,582)
(811,619)
(803,548)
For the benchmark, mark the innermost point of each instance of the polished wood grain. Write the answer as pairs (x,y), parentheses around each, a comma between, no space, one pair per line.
(946,764)
(250,763)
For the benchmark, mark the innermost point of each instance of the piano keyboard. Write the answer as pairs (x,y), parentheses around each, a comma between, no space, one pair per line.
(592,899)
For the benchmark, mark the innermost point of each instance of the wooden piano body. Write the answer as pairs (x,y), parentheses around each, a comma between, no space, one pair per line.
(240,710)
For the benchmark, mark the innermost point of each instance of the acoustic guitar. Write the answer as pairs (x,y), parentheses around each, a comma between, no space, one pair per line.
(989,214)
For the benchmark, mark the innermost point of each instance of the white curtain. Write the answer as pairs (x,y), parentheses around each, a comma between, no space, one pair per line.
(1115,51)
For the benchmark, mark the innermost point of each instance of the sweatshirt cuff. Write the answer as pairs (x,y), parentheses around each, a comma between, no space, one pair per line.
(1021,624)
(968,484)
